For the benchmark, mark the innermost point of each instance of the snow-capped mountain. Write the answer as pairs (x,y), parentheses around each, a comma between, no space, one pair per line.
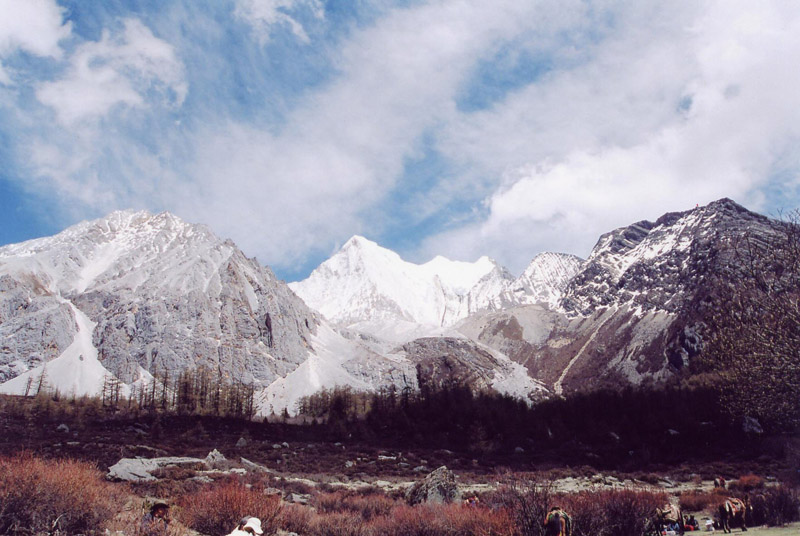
(543,281)
(133,294)
(635,310)
(369,287)
(372,290)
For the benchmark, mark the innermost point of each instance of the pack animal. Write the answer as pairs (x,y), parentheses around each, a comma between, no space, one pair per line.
(734,512)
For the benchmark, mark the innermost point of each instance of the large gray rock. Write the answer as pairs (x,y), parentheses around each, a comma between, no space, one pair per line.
(437,488)
(215,459)
(140,469)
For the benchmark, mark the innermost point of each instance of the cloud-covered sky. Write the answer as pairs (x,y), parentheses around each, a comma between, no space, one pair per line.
(459,128)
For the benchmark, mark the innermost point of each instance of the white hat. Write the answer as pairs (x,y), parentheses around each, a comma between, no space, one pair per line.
(255,524)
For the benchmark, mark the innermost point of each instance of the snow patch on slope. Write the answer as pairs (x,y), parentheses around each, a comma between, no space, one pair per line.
(77,371)
(325,368)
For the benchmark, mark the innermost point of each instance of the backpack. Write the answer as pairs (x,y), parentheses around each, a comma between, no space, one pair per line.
(567,523)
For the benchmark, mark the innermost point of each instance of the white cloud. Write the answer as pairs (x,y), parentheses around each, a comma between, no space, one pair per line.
(264,15)
(34,26)
(648,107)
(345,146)
(123,69)
(674,110)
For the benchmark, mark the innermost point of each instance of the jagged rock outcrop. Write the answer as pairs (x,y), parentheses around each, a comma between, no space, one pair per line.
(437,488)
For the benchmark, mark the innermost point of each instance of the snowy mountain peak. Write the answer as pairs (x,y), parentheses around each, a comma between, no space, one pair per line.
(651,264)
(94,253)
(366,283)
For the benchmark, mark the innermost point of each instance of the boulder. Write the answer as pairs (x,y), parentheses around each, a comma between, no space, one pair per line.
(215,459)
(254,467)
(241,443)
(438,487)
(140,469)
(751,425)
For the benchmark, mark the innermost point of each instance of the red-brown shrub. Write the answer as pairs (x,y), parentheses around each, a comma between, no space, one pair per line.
(42,496)
(218,508)
(295,518)
(697,501)
(747,483)
(369,505)
(623,511)
(337,524)
(444,520)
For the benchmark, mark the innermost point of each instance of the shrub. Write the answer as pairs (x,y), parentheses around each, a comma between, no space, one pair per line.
(42,496)
(336,524)
(444,520)
(218,508)
(776,506)
(623,511)
(527,501)
(295,518)
(697,501)
(369,505)
(747,483)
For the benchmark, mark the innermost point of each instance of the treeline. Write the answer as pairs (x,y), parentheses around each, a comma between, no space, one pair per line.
(191,392)
(633,425)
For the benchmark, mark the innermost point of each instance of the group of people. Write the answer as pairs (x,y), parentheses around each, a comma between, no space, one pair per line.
(156,522)
(690,523)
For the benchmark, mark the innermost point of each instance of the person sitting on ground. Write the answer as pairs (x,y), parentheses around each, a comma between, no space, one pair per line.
(693,523)
(156,521)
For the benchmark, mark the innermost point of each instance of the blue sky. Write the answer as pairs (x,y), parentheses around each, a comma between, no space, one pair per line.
(459,128)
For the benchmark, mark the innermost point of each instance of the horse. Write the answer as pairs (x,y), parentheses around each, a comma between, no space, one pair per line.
(736,510)
(668,515)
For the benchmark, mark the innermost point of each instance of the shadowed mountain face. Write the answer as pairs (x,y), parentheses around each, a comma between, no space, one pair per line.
(133,295)
(635,311)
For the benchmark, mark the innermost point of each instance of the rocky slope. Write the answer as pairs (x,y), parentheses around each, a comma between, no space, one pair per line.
(635,310)
(134,294)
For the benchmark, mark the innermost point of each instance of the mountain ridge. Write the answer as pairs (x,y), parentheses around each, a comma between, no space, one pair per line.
(133,294)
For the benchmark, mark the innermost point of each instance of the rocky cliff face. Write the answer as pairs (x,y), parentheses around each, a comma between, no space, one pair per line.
(634,311)
(162,295)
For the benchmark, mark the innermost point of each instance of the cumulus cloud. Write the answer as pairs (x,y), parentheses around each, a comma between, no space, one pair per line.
(124,69)
(664,117)
(264,15)
(34,26)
